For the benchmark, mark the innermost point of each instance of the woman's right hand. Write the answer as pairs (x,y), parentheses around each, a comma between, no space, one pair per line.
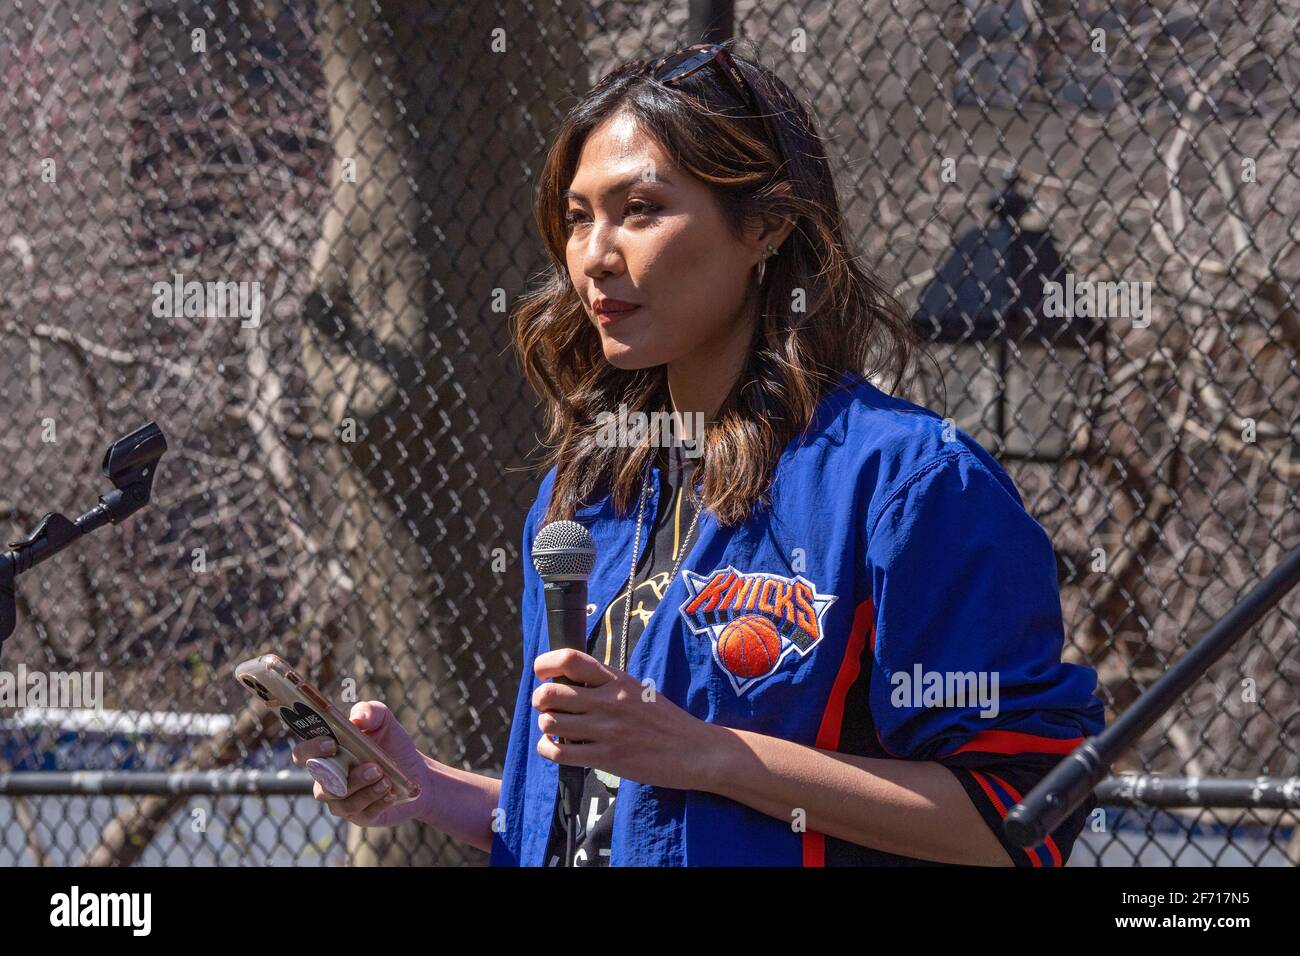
(370,797)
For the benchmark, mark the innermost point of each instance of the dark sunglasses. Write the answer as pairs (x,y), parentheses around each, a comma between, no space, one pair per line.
(672,69)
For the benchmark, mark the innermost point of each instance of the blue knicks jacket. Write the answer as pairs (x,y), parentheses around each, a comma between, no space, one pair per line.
(894,601)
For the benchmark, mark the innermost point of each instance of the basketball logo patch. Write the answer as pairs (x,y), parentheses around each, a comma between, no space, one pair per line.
(754,620)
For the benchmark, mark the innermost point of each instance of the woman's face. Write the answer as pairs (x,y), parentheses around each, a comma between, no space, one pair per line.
(644,233)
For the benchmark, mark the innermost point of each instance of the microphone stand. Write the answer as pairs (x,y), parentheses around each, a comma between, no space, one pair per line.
(1070,781)
(130,463)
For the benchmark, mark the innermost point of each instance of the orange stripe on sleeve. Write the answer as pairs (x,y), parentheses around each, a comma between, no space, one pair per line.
(1001,808)
(1049,842)
(1012,742)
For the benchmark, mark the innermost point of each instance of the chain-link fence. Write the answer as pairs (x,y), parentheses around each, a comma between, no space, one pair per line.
(349,464)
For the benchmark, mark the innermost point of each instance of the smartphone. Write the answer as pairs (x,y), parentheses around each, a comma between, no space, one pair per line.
(307,714)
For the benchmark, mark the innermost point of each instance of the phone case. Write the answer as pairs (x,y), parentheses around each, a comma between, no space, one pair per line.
(307,714)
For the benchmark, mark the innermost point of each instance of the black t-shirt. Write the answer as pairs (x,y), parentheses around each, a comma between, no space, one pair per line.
(667,539)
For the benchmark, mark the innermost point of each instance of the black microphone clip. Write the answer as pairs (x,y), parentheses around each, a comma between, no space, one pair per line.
(130,464)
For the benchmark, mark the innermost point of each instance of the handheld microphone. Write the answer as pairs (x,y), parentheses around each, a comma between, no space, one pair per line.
(564,553)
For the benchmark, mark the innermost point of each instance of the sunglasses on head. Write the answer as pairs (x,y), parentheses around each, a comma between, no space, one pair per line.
(671,70)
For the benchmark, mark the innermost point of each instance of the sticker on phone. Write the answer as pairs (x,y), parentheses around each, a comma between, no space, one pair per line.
(305,724)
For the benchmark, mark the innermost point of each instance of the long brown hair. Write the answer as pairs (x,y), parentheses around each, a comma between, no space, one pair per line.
(848,321)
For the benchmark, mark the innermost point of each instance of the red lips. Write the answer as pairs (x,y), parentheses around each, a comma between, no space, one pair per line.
(608,310)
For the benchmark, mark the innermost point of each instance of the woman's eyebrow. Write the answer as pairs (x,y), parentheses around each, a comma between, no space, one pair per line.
(622,184)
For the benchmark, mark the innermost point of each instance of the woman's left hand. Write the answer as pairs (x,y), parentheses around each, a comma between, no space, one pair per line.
(626,729)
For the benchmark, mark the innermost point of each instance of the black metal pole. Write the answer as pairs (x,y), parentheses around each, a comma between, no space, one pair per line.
(1070,781)
(1152,790)
(711,21)
(91,783)
(1127,790)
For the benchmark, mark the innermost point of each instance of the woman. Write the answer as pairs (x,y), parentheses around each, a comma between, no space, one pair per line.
(839,641)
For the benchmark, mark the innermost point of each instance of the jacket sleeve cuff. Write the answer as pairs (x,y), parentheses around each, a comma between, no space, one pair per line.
(993,795)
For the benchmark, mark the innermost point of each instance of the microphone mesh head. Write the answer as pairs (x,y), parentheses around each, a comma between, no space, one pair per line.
(564,551)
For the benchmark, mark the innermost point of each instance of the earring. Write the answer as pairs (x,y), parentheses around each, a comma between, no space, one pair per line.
(762,265)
